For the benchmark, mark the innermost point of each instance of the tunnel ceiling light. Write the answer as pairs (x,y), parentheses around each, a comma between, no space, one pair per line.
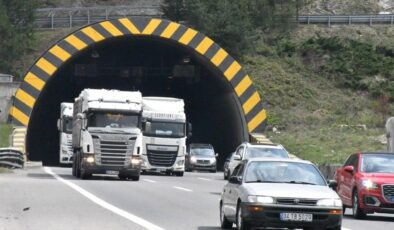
(186,60)
(95,54)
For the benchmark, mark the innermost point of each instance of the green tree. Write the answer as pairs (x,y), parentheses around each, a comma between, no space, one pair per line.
(234,24)
(16,31)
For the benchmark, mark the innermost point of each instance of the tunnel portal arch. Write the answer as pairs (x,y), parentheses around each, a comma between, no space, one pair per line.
(48,66)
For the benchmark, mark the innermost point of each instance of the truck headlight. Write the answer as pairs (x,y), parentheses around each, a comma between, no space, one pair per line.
(181,162)
(329,202)
(193,159)
(261,199)
(90,159)
(368,184)
(135,161)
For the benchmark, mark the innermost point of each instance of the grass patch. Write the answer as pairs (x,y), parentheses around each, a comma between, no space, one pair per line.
(5,131)
(329,145)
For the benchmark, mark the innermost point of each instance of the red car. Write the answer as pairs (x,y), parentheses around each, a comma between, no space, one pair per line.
(366,183)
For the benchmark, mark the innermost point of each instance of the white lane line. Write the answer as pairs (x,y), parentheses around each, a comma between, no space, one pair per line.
(135,219)
(345,228)
(202,178)
(147,180)
(184,189)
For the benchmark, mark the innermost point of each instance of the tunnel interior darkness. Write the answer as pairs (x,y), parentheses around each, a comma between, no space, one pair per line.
(156,68)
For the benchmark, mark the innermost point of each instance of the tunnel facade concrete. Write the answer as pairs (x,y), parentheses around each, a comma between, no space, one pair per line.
(155,56)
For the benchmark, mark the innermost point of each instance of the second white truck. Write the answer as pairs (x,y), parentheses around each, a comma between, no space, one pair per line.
(164,135)
(65,126)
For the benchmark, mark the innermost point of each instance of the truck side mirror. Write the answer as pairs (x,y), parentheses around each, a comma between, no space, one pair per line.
(79,116)
(189,129)
(58,124)
(148,126)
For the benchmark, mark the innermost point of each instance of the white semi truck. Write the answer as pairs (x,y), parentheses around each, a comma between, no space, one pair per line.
(65,125)
(107,136)
(164,135)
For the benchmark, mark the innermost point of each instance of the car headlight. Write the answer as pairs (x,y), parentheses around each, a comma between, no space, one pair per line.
(330,202)
(368,184)
(193,159)
(261,199)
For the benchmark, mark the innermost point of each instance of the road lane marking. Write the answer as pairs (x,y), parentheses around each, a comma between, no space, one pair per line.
(345,228)
(202,178)
(147,180)
(135,219)
(184,189)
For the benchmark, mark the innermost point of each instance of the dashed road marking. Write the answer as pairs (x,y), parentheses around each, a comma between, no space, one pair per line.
(202,178)
(147,180)
(135,219)
(184,189)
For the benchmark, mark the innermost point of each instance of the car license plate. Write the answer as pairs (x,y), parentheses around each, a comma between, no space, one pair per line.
(111,172)
(303,217)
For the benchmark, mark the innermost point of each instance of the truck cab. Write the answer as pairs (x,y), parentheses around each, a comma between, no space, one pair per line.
(64,125)
(107,136)
(164,135)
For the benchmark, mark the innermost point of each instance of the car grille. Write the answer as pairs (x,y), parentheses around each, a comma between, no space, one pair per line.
(114,153)
(388,192)
(295,201)
(203,162)
(161,158)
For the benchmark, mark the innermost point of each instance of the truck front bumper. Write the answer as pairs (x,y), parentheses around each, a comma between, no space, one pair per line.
(178,166)
(93,168)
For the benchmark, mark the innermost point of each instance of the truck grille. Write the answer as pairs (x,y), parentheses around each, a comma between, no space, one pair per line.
(204,162)
(114,153)
(161,158)
(70,145)
(388,192)
(294,201)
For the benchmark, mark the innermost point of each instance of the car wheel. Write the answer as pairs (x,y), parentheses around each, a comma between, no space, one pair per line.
(241,224)
(224,176)
(122,177)
(228,175)
(224,222)
(335,228)
(358,213)
(343,209)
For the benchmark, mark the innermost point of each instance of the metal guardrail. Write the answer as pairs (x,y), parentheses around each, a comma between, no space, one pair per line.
(51,18)
(11,158)
(347,19)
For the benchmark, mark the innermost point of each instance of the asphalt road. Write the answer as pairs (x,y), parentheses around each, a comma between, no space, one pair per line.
(50,198)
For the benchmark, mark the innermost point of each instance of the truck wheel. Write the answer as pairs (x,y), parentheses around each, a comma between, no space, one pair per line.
(85,175)
(73,166)
(213,171)
(78,166)
(122,177)
(135,177)
(179,173)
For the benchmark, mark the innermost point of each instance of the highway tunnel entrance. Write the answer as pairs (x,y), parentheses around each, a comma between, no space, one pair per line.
(156,57)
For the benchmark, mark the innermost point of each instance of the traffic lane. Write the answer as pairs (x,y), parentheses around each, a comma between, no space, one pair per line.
(32,199)
(159,202)
(372,221)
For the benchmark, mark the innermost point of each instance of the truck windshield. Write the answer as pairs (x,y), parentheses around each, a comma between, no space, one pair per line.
(113,120)
(67,125)
(164,129)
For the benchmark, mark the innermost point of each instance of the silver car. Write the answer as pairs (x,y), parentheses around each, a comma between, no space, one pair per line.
(285,193)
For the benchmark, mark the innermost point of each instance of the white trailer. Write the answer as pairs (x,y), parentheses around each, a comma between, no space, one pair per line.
(65,125)
(107,136)
(164,135)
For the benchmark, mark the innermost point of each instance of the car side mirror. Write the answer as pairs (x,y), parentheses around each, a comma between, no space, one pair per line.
(333,184)
(217,155)
(237,157)
(349,169)
(58,124)
(235,180)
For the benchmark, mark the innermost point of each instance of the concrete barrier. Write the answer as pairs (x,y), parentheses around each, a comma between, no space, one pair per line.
(7,91)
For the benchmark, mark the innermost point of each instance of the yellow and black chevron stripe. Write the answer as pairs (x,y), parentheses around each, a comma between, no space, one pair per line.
(61,52)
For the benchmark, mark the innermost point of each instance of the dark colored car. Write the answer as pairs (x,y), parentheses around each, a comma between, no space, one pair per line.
(201,157)
(366,183)
(226,164)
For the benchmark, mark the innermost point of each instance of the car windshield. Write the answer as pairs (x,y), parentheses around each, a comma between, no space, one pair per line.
(283,172)
(67,125)
(202,152)
(164,129)
(113,120)
(377,163)
(255,152)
